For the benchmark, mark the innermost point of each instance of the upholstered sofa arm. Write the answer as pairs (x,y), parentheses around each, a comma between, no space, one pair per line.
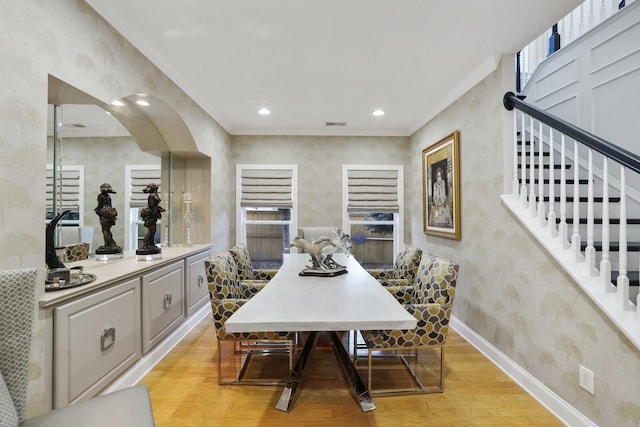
(381,273)
(404,294)
(264,274)
(395,282)
(249,288)
(432,329)
(222,310)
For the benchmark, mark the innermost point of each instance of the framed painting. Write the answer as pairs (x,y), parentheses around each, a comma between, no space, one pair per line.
(441,188)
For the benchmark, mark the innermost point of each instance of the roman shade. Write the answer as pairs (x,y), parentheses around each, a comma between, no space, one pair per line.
(68,189)
(139,179)
(372,190)
(267,188)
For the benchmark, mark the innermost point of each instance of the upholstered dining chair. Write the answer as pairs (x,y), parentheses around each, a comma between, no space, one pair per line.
(404,268)
(246,272)
(76,252)
(228,294)
(430,303)
(129,407)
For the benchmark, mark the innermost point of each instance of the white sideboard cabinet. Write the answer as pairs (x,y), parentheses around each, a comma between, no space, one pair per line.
(162,303)
(109,332)
(97,338)
(197,287)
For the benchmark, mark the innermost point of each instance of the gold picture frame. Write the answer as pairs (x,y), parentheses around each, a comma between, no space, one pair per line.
(441,187)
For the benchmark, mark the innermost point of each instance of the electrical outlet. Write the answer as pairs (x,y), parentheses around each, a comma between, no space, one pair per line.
(586,379)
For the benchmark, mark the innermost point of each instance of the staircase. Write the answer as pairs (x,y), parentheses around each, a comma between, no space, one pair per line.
(570,191)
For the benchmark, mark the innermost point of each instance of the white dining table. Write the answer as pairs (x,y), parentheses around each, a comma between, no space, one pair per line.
(346,302)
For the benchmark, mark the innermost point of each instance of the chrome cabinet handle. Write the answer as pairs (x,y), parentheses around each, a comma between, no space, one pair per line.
(200,280)
(107,338)
(168,297)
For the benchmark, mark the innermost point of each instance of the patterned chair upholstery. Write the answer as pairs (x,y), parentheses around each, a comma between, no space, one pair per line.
(228,294)
(76,252)
(404,268)
(246,272)
(127,408)
(430,302)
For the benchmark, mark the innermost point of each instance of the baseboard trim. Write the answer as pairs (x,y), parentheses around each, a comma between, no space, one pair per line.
(148,361)
(554,403)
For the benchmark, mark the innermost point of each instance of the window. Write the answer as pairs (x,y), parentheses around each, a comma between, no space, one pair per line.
(372,212)
(68,183)
(267,207)
(138,177)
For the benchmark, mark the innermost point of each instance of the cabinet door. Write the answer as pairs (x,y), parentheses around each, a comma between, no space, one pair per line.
(197,289)
(162,303)
(96,338)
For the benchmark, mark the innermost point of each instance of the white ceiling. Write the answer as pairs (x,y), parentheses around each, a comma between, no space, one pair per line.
(330,60)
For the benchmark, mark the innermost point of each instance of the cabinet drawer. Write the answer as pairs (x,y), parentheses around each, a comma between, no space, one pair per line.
(197,290)
(162,303)
(96,338)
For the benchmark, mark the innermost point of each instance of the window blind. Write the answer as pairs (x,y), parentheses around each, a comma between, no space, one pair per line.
(68,189)
(372,190)
(267,188)
(140,178)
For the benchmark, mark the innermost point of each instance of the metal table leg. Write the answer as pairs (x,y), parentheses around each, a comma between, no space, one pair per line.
(360,391)
(291,390)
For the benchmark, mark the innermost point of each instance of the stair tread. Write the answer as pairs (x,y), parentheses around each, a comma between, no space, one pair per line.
(633,221)
(584,199)
(634,277)
(615,246)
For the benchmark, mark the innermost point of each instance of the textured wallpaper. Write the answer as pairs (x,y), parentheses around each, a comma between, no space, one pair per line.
(509,291)
(320,160)
(68,40)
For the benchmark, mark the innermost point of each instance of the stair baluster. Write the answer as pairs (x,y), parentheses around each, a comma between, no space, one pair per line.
(541,206)
(551,216)
(523,168)
(605,262)
(590,250)
(562,227)
(622,284)
(575,236)
(532,172)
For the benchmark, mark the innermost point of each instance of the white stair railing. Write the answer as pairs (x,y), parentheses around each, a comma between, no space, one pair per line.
(595,278)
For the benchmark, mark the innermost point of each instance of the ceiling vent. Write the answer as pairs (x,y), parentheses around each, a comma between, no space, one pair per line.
(335,123)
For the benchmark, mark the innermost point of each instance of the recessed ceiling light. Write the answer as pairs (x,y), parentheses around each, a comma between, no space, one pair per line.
(142,102)
(117,103)
(378,113)
(264,111)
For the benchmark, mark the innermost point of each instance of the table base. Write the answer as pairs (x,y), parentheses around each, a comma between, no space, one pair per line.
(292,388)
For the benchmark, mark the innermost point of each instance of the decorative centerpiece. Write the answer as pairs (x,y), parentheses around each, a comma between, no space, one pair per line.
(321,252)
(107,215)
(151,214)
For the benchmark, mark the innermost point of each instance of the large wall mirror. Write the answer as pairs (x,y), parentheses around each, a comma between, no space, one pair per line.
(91,143)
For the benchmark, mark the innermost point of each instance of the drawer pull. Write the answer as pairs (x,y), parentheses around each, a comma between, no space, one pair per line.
(107,338)
(167,300)
(200,280)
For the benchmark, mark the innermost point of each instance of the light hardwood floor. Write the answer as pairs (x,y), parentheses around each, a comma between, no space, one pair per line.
(184,392)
